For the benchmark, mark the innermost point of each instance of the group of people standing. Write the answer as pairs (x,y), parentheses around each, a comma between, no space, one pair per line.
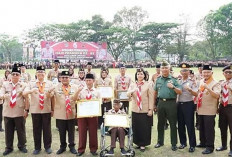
(173,98)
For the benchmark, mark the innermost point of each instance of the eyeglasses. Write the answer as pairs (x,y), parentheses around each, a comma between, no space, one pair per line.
(15,74)
(228,72)
(65,77)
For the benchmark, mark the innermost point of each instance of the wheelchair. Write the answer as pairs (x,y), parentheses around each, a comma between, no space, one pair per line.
(105,148)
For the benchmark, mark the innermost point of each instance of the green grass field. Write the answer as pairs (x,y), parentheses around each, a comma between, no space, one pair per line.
(164,151)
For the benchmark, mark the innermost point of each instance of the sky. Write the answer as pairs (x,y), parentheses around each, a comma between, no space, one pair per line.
(19,15)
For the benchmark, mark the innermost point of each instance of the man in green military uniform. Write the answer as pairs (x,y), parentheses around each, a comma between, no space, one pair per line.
(166,90)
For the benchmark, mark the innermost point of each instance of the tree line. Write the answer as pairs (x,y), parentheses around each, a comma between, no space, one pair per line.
(129,34)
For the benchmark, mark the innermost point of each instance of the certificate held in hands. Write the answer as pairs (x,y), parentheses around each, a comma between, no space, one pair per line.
(122,95)
(117,120)
(88,108)
(105,91)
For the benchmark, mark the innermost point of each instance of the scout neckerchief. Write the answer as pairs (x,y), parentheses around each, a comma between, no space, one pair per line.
(66,90)
(139,98)
(41,94)
(225,93)
(202,89)
(89,95)
(123,82)
(13,96)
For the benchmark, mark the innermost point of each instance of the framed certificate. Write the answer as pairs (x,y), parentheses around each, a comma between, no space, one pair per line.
(105,91)
(117,120)
(122,95)
(88,108)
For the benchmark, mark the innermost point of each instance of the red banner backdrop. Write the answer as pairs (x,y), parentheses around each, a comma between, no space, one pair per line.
(74,50)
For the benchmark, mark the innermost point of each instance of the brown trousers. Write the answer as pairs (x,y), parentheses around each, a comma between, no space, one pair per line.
(10,125)
(91,125)
(42,123)
(120,133)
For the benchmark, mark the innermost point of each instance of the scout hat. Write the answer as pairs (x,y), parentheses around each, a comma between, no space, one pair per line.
(40,68)
(65,73)
(157,65)
(207,67)
(184,65)
(89,76)
(16,69)
(227,67)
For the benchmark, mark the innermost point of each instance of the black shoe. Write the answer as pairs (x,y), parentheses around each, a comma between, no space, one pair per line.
(174,148)
(221,148)
(158,145)
(166,126)
(142,149)
(48,151)
(1,129)
(36,151)
(111,152)
(23,150)
(123,151)
(73,151)
(207,151)
(191,149)
(80,153)
(200,146)
(94,153)
(182,146)
(230,153)
(61,150)
(8,151)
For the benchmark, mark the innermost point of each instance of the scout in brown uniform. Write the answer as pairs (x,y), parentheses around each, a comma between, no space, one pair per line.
(89,70)
(53,74)
(80,80)
(14,111)
(41,109)
(142,108)
(25,77)
(122,83)
(117,131)
(209,93)
(106,102)
(65,112)
(157,74)
(225,109)
(90,123)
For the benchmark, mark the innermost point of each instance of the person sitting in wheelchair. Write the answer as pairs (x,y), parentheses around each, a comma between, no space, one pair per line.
(117,132)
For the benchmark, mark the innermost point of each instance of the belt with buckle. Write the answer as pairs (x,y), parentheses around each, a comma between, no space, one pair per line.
(168,99)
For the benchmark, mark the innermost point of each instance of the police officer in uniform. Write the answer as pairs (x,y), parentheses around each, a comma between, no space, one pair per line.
(15,110)
(122,83)
(208,95)
(166,90)
(41,109)
(225,109)
(186,109)
(65,112)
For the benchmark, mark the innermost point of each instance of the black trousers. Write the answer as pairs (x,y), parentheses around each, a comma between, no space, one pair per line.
(104,106)
(225,120)
(10,125)
(185,117)
(125,106)
(207,130)
(42,123)
(1,116)
(69,126)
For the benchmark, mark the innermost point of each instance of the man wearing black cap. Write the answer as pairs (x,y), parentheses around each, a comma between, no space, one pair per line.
(157,74)
(15,110)
(122,83)
(225,109)
(41,109)
(89,70)
(53,74)
(65,112)
(199,75)
(186,108)
(88,123)
(25,77)
(207,104)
